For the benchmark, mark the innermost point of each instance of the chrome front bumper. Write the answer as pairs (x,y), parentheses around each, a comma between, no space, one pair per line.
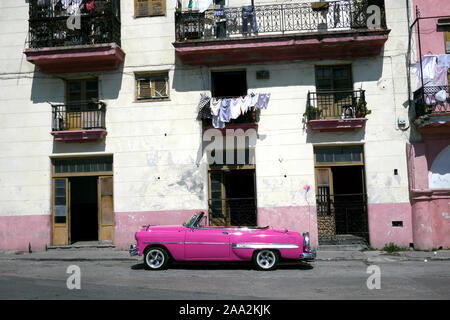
(308,256)
(134,250)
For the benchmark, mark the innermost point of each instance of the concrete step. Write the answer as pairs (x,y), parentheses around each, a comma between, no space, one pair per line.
(84,245)
(342,247)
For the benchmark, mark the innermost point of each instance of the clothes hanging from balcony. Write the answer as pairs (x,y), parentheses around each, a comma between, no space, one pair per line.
(225,110)
(263,101)
(235,107)
(245,103)
(215,106)
(89,5)
(434,74)
(217,123)
(203,5)
(204,110)
(65,4)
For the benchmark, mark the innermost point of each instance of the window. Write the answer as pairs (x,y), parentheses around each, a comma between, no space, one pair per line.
(82,90)
(229,84)
(151,86)
(334,90)
(149,8)
(334,78)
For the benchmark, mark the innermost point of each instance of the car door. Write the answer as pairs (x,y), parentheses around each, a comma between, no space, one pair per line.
(207,244)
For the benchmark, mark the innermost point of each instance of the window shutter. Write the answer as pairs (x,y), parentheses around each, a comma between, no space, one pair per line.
(145,88)
(145,8)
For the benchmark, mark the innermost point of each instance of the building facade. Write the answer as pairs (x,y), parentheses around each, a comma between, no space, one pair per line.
(429,148)
(101,131)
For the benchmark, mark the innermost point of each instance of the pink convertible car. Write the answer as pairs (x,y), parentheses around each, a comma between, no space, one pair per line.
(194,241)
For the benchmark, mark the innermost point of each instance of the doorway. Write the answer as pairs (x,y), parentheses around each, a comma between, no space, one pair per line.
(232,197)
(84,209)
(340,192)
(82,200)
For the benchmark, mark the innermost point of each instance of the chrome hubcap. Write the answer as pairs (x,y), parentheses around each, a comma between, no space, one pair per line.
(154,258)
(265,259)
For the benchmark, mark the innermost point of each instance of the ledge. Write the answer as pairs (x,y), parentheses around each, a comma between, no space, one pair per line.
(429,194)
(331,125)
(256,49)
(72,59)
(79,135)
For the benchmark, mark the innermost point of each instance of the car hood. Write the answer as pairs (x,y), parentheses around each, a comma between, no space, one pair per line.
(162,228)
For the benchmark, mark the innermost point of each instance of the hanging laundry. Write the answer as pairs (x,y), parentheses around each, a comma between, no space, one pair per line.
(245,103)
(204,110)
(75,7)
(89,5)
(235,107)
(54,3)
(254,99)
(215,106)
(217,123)
(225,110)
(66,4)
(263,101)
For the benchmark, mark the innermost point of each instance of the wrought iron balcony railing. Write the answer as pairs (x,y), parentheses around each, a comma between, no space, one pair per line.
(336,104)
(432,100)
(53,26)
(233,211)
(272,20)
(82,115)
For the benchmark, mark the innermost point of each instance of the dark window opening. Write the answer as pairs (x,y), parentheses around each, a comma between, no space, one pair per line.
(228,84)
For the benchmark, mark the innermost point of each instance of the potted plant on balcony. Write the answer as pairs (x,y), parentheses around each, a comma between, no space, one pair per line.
(361,108)
(312,113)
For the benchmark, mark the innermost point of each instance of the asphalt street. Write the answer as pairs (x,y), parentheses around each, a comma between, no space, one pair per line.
(126,279)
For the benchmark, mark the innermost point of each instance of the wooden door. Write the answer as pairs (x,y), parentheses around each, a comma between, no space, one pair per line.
(61,211)
(325,203)
(79,93)
(105,209)
(217,204)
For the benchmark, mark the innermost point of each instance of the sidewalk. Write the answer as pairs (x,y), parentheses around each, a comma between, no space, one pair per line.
(109,254)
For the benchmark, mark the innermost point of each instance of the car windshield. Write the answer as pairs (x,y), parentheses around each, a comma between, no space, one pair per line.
(190,221)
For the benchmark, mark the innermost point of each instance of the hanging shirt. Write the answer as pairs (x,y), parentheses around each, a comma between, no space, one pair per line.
(254,100)
(263,100)
(215,106)
(66,4)
(225,110)
(245,103)
(235,107)
(89,5)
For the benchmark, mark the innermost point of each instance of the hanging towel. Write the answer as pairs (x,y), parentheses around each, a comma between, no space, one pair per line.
(254,100)
(263,101)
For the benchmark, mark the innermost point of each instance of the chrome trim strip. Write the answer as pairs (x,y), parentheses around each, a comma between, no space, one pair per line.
(218,243)
(263,246)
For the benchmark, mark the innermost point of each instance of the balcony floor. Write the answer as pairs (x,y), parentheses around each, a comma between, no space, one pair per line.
(256,49)
(72,59)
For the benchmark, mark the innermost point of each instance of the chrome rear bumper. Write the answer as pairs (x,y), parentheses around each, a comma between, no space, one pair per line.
(134,250)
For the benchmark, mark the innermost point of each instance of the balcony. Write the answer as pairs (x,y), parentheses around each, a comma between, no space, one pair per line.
(341,110)
(60,43)
(278,32)
(79,121)
(432,106)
